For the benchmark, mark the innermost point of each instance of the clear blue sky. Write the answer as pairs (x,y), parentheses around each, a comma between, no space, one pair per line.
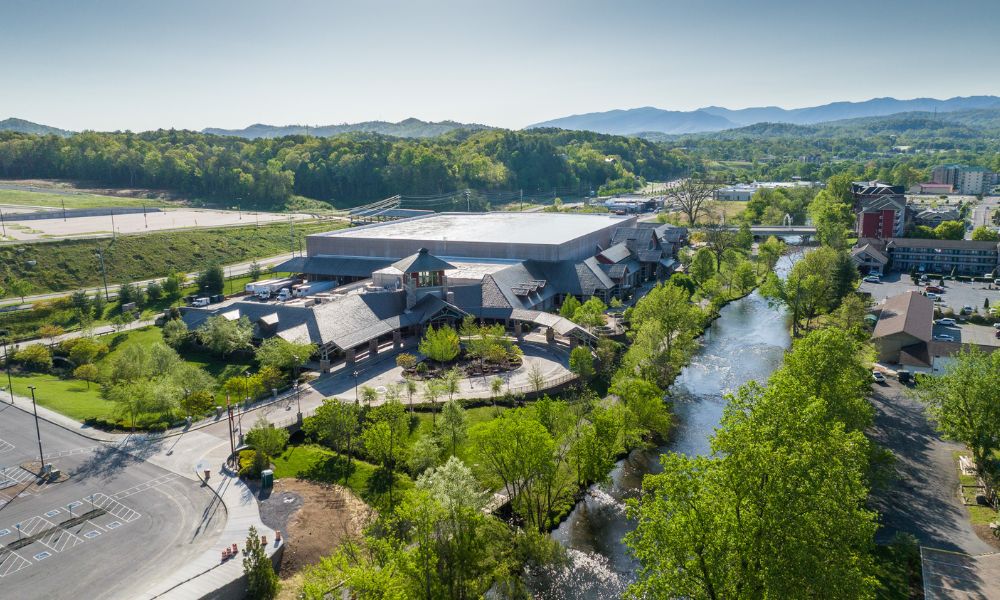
(143,64)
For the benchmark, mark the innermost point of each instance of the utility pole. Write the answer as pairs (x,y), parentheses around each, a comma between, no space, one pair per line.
(3,224)
(468,201)
(239,210)
(63,200)
(232,442)
(114,234)
(144,219)
(38,432)
(291,231)
(104,274)
(521,192)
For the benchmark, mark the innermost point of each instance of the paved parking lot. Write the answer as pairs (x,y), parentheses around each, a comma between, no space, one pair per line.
(956,293)
(111,525)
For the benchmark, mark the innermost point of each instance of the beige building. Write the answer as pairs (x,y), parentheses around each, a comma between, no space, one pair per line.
(905,326)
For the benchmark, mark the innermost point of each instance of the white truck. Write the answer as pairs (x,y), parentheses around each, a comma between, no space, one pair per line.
(266,288)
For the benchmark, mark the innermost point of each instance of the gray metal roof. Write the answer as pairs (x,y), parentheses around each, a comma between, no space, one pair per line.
(422,262)
(616,253)
(336,266)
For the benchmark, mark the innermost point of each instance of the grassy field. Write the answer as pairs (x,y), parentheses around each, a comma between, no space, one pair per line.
(70,397)
(474,416)
(316,463)
(72,200)
(72,264)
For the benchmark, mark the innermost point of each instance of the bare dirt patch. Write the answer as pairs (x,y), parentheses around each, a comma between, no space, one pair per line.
(328,515)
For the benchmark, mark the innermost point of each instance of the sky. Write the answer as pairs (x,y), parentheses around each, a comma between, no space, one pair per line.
(146,64)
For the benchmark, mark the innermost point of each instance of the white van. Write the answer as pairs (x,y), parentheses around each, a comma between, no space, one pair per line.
(203,301)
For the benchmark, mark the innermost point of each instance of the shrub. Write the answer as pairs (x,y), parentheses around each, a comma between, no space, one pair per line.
(36,357)
(158,427)
(249,464)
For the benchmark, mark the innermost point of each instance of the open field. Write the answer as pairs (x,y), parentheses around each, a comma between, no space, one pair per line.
(71,397)
(57,228)
(72,264)
(57,198)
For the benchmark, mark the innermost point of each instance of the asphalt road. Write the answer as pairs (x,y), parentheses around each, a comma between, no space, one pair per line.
(230,270)
(144,522)
(982,211)
(923,500)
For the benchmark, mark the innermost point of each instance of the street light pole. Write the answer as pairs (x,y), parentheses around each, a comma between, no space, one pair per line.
(38,431)
(6,360)
(104,275)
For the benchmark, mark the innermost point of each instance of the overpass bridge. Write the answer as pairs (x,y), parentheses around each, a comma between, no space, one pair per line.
(780,230)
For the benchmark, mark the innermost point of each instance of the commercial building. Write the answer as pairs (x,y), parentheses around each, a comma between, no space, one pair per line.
(742,192)
(964,179)
(932,217)
(939,257)
(905,335)
(880,209)
(396,278)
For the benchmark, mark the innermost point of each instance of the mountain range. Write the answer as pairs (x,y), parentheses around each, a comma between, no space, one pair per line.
(22,126)
(407,128)
(714,118)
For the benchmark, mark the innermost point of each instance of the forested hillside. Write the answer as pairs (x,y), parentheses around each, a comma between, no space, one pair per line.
(346,170)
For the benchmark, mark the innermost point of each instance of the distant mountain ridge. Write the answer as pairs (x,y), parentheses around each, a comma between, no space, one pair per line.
(22,126)
(407,128)
(713,118)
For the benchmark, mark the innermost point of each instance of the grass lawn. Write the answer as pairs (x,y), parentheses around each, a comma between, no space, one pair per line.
(70,397)
(316,463)
(73,200)
(978,515)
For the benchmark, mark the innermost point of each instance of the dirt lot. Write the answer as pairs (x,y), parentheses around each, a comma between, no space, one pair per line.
(313,518)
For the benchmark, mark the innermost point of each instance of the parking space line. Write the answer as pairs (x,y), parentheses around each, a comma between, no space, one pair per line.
(11,562)
(145,486)
(59,539)
(115,508)
(5,446)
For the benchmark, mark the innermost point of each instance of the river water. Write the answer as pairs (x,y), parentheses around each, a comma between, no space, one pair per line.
(747,342)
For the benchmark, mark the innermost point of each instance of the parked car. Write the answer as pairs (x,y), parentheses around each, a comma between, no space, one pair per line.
(903,376)
(997,324)
(944,338)
(966,310)
(872,279)
(934,289)
(878,376)
(932,295)
(945,321)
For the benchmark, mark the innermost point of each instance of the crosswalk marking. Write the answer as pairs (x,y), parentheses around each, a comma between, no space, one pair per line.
(114,507)
(145,486)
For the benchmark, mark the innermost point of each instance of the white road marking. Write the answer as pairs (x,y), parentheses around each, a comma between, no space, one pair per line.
(11,562)
(5,446)
(145,486)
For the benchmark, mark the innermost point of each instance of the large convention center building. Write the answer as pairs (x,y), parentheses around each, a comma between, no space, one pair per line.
(394,278)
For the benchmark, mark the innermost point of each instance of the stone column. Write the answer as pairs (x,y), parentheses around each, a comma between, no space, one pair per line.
(324,365)
(373,348)
(550,335)
(397,339)
(350,356)
(573,342)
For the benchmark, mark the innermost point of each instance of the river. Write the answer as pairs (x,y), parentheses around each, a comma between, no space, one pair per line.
(747,342)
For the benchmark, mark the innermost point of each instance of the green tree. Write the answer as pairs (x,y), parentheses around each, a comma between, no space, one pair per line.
(450,382)
(963,402)
(262,581)
(440,344)
(175,333)
(284,355)
(222,336)
(950,230)
(833,219)
(424,454)
(744,237)
(212,280)
(255,271)
(770,251)
(406,361)
(985,234)
(569,307)
(702,266)
(87,372)
(336,424)
(36,357)
(590,313)
(154,291)
(19,287)
(172,285)
(581,362)
(267,440)
(454,424)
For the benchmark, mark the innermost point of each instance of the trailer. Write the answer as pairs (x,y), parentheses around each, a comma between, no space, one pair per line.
(265,288)
(307,288)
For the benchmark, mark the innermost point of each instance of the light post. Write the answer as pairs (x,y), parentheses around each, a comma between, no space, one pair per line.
(92,508)
(18,531)
(356,400)
(104,274)
(6,360)
(239,209)
(38,431)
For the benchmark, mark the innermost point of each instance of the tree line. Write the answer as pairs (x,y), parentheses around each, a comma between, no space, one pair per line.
(346,170)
